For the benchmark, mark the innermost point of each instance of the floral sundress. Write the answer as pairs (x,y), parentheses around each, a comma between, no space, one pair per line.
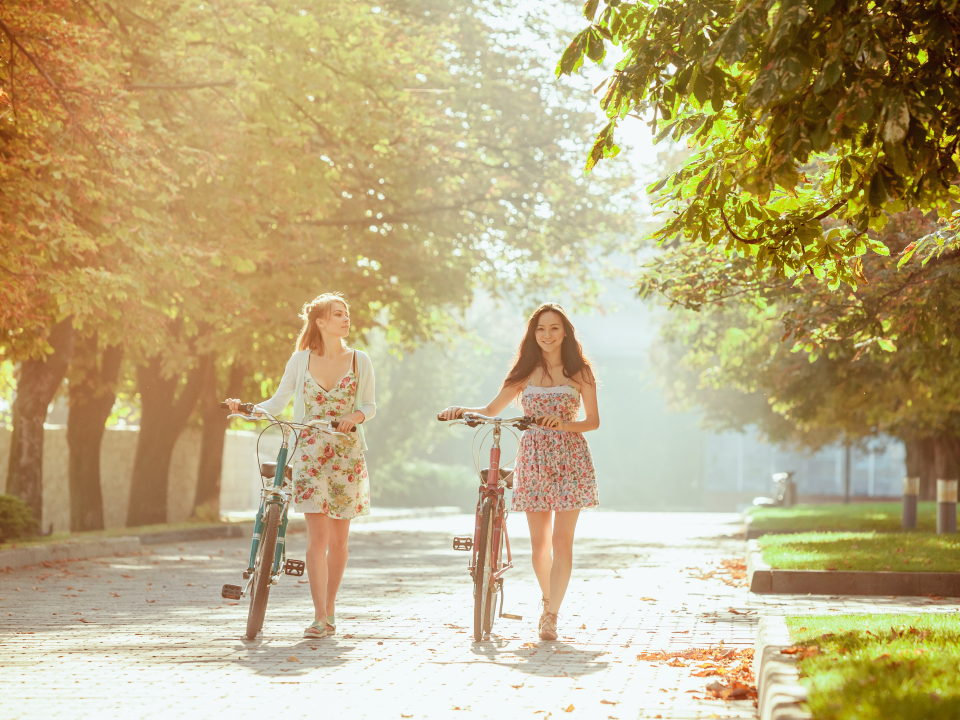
(329,473)
(554,469)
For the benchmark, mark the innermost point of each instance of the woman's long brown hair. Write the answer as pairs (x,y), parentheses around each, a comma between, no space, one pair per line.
(529,357)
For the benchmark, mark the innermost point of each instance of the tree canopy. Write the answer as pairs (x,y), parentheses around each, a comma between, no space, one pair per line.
(798,112)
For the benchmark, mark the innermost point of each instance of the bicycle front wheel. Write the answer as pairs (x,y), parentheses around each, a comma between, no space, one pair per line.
(483,573)
(261,572)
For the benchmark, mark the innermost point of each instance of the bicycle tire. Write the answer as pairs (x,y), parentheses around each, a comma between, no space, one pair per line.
(261,573)
(482,583)
(495,590)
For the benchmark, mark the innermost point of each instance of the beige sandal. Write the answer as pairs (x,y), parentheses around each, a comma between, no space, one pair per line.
(548,626)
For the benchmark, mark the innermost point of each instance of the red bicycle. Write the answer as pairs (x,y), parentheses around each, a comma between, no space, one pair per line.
(487,566)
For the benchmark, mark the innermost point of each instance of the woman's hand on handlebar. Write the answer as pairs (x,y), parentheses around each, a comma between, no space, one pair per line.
(551,422)
(451,413)
(235,408)
(348,422)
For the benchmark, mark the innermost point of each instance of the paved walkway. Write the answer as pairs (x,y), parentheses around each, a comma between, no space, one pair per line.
(149,636)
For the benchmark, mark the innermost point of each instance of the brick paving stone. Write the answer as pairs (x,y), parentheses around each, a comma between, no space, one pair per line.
(149,637)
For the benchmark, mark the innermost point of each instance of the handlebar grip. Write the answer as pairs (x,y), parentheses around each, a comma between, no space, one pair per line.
(336,424)
(244,407)
(441,418)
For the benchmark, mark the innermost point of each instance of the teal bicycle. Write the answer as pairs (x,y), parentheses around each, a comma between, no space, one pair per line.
(268,556)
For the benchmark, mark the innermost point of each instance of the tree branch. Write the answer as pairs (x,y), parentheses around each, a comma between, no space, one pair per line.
(757,241)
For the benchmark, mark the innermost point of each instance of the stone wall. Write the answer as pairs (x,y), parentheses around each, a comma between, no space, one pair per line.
(239,486)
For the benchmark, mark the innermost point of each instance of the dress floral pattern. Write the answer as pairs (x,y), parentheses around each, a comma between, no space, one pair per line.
(330,474)
(554,469)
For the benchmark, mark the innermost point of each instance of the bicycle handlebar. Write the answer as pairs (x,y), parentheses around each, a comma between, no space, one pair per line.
(250,408)
(475,419)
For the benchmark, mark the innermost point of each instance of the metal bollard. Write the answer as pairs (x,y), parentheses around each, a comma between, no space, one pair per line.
(946,506)
(911,491)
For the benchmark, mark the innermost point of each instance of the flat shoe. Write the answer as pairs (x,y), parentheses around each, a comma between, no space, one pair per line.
(315,630)
(331,625)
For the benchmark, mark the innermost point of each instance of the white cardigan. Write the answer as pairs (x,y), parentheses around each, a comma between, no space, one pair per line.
(295,374)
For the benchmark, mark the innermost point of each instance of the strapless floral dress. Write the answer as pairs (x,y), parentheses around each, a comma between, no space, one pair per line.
(554,469)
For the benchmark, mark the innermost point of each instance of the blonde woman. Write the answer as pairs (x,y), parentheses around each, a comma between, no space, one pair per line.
(328,380)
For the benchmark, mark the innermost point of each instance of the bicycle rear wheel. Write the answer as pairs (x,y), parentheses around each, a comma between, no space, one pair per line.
(261,572)
(483,573)
(496,588)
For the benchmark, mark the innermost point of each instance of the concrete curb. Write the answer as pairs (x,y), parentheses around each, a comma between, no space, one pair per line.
(39,554)
(764,579)
(778,680)
(759,574)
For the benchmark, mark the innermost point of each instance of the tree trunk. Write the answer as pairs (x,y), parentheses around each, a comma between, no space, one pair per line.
(163,417)
(92,394)
(919,462)
(206,503)
(946,457)
(36,386)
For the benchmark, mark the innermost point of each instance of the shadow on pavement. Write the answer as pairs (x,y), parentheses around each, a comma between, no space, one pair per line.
(556,659)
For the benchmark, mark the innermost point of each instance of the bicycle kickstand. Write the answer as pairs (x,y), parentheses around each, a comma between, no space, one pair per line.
(503,596)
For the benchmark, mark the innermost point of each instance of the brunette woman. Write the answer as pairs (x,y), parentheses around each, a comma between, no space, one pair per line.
(554,477)
(327,380)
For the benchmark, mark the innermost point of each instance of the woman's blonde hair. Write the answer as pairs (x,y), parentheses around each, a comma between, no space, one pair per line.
(317,309)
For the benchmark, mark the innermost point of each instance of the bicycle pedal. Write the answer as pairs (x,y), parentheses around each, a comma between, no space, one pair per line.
(231,592)
(463,543)
(508,616)
(294,567)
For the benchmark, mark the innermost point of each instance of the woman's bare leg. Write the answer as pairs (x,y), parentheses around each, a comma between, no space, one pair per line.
(564,526)
(318,535)
(541,533)
(337,553)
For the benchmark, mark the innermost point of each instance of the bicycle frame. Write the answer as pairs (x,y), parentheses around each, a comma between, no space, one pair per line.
(273,495)
(495,491)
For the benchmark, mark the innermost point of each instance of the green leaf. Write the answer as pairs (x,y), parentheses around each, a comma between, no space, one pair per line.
(877,194)
(764,88)
(702,88)
(572,57)
(595,47)
(898,120)
(590,9)
(828,77)
(886,345)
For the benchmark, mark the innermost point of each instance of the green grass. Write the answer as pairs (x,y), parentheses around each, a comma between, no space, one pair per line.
(881,667)
(856,517)
(108,533)
(903,552)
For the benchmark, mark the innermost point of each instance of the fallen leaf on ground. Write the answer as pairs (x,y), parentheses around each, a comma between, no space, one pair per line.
(649,599)
(569,708)
(529,645)
(84,620)
(517,687)
(293,658)
(607,702)
(583,627)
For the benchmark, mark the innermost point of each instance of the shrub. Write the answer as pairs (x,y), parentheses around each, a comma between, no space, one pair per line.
(16,520)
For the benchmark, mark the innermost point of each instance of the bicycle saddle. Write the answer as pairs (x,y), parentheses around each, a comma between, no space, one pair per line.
(506,475)
(269,470)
